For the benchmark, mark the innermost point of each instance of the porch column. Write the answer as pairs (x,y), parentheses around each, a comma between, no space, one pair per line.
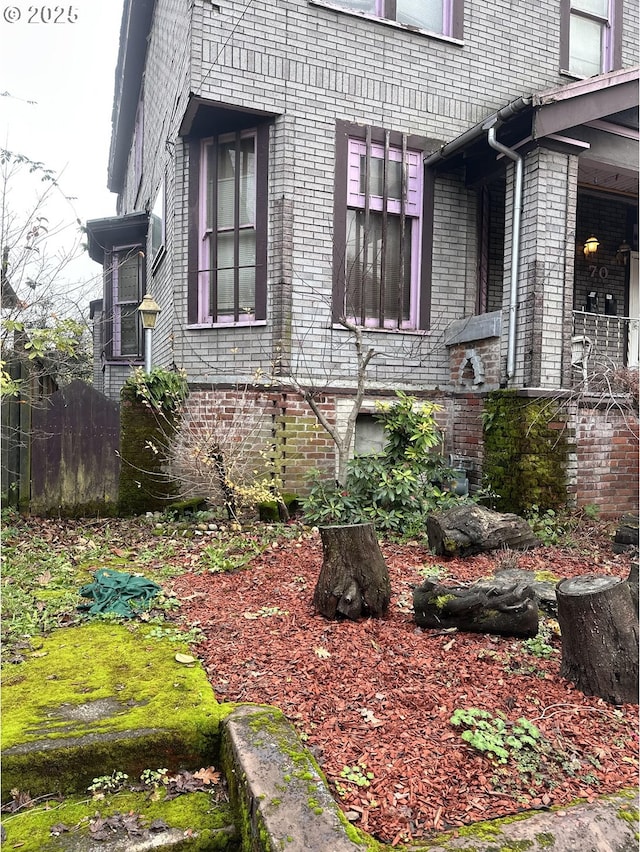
(547,253)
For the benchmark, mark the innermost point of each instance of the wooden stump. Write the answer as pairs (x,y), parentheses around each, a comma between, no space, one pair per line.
(511,611)
(468,529)
(354,579)
(599,630)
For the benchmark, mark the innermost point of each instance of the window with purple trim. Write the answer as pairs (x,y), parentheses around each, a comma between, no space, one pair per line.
(437,16)
(232,229)
(591,36)
(383,234)
(127,270)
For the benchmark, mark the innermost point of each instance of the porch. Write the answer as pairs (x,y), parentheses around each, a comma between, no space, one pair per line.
(601,345)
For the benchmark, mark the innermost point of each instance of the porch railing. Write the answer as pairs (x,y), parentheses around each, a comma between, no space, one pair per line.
(600,342)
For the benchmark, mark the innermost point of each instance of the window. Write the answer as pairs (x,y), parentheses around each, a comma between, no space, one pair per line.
(591,36)
(127,268)
(437,16)
(379,281)
(157,227)
(232,228)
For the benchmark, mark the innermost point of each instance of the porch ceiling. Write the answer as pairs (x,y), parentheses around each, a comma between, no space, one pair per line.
(608,179)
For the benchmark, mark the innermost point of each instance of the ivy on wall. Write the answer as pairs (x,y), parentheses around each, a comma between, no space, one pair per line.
(149,410)
(525,452)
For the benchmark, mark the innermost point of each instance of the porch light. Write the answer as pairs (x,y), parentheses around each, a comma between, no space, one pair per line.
(149,310)
(622,255)
(591,246)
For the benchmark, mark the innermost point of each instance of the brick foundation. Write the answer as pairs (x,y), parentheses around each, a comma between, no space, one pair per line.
(607,461)
(603,471)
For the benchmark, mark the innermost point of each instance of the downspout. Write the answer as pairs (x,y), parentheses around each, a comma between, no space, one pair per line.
(490,127)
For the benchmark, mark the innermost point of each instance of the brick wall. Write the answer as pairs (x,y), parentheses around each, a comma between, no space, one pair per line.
(258,430)
(607,460)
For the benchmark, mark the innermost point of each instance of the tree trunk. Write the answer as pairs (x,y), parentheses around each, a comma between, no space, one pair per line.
(354,579)
(511,611)
(599,630)
(468,529)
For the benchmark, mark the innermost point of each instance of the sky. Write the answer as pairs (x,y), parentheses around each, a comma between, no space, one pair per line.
(56,95)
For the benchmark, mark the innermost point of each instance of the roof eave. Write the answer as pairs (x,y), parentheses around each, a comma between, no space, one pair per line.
(134,32)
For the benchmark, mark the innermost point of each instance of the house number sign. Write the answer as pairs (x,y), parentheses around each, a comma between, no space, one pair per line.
(601,272)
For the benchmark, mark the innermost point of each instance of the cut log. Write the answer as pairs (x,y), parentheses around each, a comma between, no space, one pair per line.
(511,611)
(354,579)
(599,631)
(468,529)
(634,584)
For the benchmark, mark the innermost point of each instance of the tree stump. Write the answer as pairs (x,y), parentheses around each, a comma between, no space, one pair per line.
(599,631)
(354,579)
(511,611)
(468,529)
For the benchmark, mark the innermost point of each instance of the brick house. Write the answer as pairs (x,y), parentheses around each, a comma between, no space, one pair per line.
(459,179)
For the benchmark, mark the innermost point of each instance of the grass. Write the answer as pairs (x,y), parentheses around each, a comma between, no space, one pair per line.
(44,565)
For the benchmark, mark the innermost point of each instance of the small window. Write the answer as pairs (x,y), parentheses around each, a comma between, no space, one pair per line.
(126,277)
(437,16)
(157,227)
(383,230)
(591,36)
(369,436)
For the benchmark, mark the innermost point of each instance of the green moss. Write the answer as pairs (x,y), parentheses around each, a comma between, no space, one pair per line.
(113,696)
(213,823)
(144,485)
(525,456)
(546,577)
(629,814)
(545,840)
(442,600)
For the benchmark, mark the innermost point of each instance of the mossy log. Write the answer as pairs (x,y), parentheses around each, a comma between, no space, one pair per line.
(511,611)
(468,529)
(599,630)
(354,579)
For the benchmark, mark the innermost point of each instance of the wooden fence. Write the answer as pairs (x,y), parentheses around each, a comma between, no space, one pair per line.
(60,451)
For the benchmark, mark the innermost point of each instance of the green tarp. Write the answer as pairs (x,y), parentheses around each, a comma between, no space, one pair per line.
(117,592)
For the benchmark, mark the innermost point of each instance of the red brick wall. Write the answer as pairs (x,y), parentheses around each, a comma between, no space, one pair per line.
(605,471)
(279,425)
(607,456)
(461,364)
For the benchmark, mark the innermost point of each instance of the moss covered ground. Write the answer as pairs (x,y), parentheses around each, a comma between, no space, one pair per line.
(204,823)
(90,693)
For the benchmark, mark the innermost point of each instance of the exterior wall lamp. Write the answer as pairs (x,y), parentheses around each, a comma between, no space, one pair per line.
(622,255)
(591,246)
(149,310)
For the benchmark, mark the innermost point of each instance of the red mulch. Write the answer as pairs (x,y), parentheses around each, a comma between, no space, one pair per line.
(380,692)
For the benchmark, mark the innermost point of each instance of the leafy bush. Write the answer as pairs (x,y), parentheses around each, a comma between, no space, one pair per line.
(394,489)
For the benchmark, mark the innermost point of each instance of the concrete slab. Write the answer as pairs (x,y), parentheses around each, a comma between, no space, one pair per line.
(277,788)
(608,825)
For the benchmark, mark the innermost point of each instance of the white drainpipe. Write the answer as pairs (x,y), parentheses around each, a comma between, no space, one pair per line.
(490,127)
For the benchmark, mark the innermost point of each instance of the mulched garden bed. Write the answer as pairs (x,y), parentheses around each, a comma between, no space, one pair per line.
(373,699)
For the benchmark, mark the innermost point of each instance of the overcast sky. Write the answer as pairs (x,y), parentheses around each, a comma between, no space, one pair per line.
(56,82)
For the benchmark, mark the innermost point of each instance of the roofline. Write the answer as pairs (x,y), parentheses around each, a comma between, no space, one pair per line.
(103,234)
(586,87)
(605,94)
(132,52)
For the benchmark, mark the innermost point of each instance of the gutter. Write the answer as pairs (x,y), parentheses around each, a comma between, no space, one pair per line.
(490,126)
(477,131)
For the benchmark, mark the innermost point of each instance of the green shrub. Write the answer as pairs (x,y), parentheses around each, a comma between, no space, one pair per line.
(394,489)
